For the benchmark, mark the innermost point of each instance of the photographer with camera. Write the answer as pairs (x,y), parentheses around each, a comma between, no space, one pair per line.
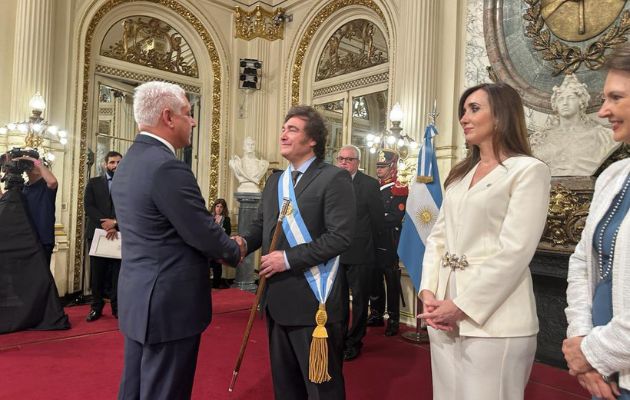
(40,192)
(27,220)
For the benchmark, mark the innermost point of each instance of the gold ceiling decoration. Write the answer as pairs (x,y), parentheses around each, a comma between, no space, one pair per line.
(575,21)
(259,23)
(357,45)
(329,9)
(215,61)
(150,42)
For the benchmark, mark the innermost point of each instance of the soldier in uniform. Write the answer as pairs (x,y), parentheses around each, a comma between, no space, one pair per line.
(394,198)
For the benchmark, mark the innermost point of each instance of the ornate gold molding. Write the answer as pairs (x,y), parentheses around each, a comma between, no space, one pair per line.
(259,23)
(568,59)
(120,73)
(566,217)
(357,83)
(189,17)
(353,47)
(152,43)
(317,21)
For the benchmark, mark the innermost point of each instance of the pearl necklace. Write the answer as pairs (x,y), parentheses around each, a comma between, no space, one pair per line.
(603,273)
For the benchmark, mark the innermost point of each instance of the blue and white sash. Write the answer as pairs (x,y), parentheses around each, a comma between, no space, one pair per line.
(321,277)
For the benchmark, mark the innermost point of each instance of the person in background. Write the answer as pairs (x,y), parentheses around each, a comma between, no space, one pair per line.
(164,294)
(358,262)
(476,285)
(99,209)
(221,217)
(40,192)
(597,348)
(394,199)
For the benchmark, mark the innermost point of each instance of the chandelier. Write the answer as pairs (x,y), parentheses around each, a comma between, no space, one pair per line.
(37,132)
(393,139)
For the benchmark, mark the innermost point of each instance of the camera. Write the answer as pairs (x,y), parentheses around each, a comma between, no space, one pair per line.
(13,169)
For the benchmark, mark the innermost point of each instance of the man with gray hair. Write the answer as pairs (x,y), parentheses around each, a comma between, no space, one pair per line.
(168,237)
(359,260)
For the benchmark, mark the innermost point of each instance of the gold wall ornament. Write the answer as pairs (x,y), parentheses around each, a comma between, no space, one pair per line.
(150,42)
(566,217)
(259,23)
(330,8)
(215,61)
(562,18)
(579,20)
(356,45)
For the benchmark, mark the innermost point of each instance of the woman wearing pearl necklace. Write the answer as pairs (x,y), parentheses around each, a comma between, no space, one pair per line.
(597,348)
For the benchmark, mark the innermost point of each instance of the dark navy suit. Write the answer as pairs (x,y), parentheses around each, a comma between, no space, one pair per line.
(359,260)
(168,237)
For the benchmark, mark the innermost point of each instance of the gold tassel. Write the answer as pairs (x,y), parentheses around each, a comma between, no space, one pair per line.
(318,357)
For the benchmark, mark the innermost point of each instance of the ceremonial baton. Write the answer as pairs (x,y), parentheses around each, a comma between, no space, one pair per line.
(261,287)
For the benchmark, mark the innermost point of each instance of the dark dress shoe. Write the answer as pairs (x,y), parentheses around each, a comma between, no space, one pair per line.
(115,314)
(392,328)
(375,321)
(351,353)
(93,316)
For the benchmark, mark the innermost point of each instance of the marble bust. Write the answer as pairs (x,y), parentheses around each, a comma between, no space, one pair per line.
(572,144)
(248,170)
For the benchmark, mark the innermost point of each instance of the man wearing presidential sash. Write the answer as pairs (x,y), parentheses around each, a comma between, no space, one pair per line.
(303,283)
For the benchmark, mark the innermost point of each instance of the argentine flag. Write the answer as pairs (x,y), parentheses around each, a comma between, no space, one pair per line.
(423,205)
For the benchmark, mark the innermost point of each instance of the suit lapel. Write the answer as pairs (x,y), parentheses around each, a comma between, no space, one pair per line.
(311,173)
(497,173)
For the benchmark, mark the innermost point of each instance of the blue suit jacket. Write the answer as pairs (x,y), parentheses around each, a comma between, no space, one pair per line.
(168,237)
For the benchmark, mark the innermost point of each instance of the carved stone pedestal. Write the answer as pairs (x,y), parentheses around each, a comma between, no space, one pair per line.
(549,272)
(245,275)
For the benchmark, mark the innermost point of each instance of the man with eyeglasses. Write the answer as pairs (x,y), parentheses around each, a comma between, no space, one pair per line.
(359,260)
(394,198)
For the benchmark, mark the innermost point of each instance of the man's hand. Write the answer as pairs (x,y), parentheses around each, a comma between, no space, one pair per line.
(112,234)
(595,384)
(577,362)
(272,263)
(108,223)
(41,170)
(242,246)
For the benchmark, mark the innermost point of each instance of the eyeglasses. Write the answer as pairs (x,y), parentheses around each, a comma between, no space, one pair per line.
(346,159)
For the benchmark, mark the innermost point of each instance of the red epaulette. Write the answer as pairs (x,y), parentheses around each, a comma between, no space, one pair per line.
(399,190)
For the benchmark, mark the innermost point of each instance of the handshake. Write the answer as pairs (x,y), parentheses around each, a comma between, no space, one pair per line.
(242,246)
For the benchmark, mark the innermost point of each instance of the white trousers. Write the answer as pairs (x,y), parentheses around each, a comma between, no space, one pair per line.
(474,368)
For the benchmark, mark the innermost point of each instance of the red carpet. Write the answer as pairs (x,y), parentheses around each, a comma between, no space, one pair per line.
(85,362)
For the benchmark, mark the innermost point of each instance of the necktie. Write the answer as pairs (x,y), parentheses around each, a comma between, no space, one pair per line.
(294,176)
(109,183)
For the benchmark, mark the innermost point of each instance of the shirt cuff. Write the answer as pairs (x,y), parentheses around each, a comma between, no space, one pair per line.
(286,260)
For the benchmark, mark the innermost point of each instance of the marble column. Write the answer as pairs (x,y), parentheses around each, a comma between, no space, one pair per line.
(416,67)
(245,275)
(32,57)
(415,83)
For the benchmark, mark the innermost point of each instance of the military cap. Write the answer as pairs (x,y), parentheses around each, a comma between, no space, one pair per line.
(386,158)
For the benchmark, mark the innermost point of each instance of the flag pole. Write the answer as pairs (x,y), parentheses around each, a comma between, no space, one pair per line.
(420,335)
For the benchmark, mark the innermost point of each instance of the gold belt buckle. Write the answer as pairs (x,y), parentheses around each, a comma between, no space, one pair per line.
(454,262)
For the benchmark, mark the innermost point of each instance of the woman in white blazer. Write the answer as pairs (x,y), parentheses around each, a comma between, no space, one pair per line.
(597,348)
(476,286)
